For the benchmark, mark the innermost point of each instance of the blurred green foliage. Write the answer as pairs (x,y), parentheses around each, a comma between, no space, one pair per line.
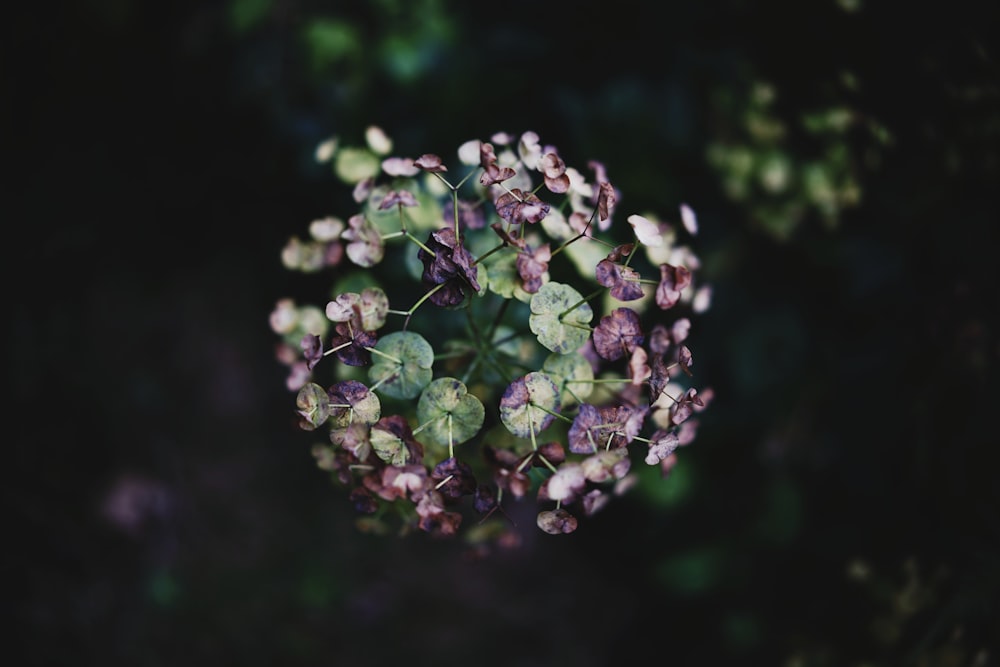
(783,168)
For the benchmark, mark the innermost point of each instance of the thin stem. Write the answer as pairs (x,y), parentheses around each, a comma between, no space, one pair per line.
(444,180)
(339,347)
(564,245)
(582,301)
(510,193)
(427,423)
(631,254)
(502,372)
(548,464)
(554,414)
(488,253)
(419,302)
(382,354)
(663,392)
(388,378)
(496,323)
(574,395)
(531,427)
(606,244)
(454,355)
(467,177)
(402,218)
(577,237)
(476,335)
(419,243)
(471,369)
(451,439)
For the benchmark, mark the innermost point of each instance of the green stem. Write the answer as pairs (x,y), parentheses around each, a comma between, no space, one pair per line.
(502,372)
(548,464)
(402,218)
(631,255)
(578,236)
(554,414)
(420,302)
(488,253)
(426,424)
(419,243)
(598,380)
(387,378)
(471,369)
(444,180)
(579,303)
(510,193)
(574,395)
(384,355)
(451,439)
(454,355)
(496,323)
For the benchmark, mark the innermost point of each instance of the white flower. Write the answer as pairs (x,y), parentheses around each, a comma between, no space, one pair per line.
(378,141)
(646,231)
(326,149)
(400,166)
(468,153)
(689,219)
(326,229)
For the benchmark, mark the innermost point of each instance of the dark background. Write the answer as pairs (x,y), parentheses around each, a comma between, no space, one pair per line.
(839,506)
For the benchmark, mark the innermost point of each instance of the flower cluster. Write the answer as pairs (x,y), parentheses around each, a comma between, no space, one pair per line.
(496,335)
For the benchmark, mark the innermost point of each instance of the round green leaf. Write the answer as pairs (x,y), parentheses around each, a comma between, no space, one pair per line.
(427,214)
(374,307)
(482,277)
(573,373)
(521,405)
(558,328)
(313,405)
(585,257)
(404,368)
(504,279)
(353,165)
(389,447)
(452,415)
